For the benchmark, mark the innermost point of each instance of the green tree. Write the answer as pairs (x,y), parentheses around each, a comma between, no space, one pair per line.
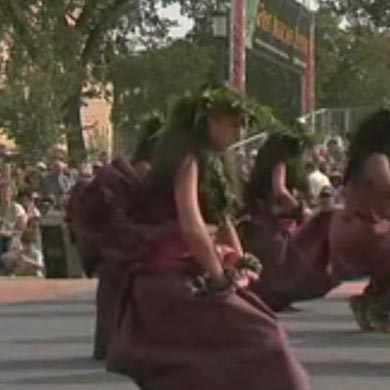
(374,13)
(151,79)
(76,40)
(352,61)
(30,114)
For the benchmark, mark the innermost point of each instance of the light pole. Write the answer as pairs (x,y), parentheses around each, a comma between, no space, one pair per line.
(220,32)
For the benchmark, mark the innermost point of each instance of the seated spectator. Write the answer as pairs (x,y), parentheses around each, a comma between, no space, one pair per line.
(325,199)
(29,201)
(13,218)
(25,260)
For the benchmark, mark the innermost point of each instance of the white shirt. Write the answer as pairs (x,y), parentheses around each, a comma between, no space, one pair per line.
(317,182)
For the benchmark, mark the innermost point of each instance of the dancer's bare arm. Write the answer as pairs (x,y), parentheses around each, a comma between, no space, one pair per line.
(377,172)
(279,186)
(229,236)
(191,221)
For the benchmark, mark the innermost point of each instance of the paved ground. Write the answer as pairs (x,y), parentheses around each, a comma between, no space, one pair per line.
(28,289)
(46,345)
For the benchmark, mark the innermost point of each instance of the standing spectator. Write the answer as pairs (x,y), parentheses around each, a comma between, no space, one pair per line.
(13,218)
(317,180)
(336,153)
(96,167)
(337,181)
(86,172)
(104,158)
(73,173)
(56,182)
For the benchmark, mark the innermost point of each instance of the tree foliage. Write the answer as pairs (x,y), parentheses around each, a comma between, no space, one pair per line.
(151,79)
(74,41)
(353,58)
(373,13)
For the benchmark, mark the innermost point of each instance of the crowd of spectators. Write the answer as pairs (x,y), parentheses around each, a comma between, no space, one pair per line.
(28,196)
(33,194)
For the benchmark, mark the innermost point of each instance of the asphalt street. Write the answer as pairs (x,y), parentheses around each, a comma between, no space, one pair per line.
(47,345)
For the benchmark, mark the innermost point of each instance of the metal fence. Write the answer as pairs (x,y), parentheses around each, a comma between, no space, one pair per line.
(325,122)
(244,152)
(340,121)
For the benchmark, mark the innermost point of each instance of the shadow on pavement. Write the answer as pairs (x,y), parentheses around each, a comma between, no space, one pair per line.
(78,379)
(90,313)
(337,339)
(55,340)
(57,302)
(49,364)
(317,317)
(348,368)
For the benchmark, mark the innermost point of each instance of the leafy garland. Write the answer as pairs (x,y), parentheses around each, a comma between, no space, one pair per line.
(215,197)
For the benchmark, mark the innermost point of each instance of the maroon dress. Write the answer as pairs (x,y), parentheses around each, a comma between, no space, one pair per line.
(295,257)
(93,217)
(166,337)
(360,237)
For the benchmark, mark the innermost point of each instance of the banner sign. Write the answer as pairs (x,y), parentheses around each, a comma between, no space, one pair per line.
(283,31)
(282,27)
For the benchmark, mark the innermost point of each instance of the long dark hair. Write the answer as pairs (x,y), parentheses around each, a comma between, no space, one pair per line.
(182,137)
(187,131)
(372,136)
(279,147)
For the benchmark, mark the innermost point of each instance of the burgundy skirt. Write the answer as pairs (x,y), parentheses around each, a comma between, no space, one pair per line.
(360,245)
(166,338)
(107,298)
(296,264)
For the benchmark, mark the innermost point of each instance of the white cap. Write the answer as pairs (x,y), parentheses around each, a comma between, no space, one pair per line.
(41,165)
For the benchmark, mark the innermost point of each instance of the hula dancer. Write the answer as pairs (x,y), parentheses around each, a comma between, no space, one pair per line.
(184,319)
(92,216)
(292,247)
(360,235)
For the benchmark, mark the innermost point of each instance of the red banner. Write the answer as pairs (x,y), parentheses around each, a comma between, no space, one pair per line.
(309,77)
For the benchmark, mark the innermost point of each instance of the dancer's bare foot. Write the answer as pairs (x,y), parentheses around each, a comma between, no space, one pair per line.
(379,319)
(359,309)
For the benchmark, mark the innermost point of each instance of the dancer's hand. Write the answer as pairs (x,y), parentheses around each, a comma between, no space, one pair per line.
(246,278)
